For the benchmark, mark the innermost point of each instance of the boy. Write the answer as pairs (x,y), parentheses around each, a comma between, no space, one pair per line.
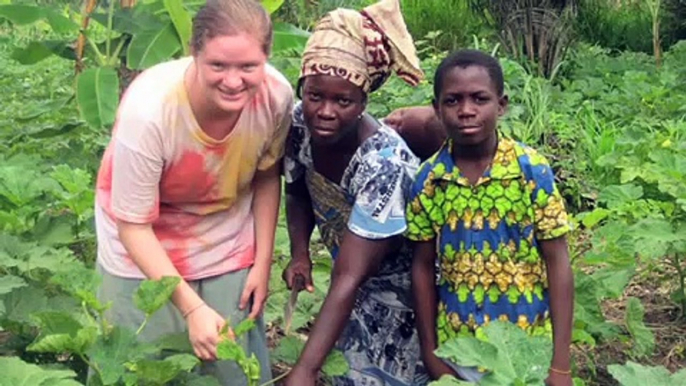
(487,208)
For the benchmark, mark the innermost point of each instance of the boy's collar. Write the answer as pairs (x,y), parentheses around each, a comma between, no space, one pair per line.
(504,166)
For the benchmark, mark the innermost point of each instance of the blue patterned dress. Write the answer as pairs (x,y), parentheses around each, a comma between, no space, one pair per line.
(380,341)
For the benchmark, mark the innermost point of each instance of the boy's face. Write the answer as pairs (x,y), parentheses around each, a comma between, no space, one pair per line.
(469,105)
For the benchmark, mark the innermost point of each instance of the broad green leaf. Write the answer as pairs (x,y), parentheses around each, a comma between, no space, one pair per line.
(130,20)
(97,95)
(653,237)
(644,340)
(8,283)
(21,14)
(16,372)
(244,326)
(468,351)
(634,374)
(54,231)
(152,47)
(502,354)
(182,22)
(288,350)
(22,302)
(60,343)
(38,109)
(161,372)
(111,352)
(618,195)
(448,380)
(335,364)
(288,37)
(591,219)
(230,350)
(31,54)
(613,280)
(272,5)
(59,23)
(177,342)
(153,294)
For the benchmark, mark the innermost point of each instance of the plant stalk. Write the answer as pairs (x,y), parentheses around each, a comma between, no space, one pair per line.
(681,272)
(280,377)
(108,43)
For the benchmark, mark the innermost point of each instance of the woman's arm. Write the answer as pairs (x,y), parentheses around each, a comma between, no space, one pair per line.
(358,259)
(265,208)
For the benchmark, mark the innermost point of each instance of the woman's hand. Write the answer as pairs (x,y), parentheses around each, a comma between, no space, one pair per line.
(204,325)
(256,288)
(299,266)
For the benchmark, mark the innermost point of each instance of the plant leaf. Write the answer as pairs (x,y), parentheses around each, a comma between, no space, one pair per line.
(153,294)
(244,326)
(272,5)
(335,364)
(16,372)
(634,374)
(9,282)
(182,22)
(288,36)
(111,352)
(230,350)
(21,14)
(97,95)
(644,340)
(161,372)
(617,195)
(152,47)
(448,380)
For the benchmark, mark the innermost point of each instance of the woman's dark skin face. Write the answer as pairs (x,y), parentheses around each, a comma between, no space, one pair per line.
(333,109)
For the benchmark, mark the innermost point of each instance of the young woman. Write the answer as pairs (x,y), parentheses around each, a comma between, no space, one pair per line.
(349,174)
(189,184)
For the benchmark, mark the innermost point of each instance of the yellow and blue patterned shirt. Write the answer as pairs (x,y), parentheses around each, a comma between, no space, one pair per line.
(487,237)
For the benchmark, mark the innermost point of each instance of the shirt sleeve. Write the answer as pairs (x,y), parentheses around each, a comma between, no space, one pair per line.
(550,216)
(293,168)
(137,166)
(379,208)
(275,149)
(419,224)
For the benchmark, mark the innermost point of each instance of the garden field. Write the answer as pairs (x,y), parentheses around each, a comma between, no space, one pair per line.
(604,99)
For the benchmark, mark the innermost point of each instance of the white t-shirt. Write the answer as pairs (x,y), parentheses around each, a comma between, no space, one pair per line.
(161,168)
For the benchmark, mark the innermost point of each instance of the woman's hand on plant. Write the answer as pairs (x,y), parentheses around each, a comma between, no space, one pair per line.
(299,266)
(204,325)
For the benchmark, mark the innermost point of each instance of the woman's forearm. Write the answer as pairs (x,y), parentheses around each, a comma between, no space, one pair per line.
(147,252)
(266,200)
(300,219)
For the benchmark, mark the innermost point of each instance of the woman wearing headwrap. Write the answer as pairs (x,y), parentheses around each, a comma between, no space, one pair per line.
(348,174)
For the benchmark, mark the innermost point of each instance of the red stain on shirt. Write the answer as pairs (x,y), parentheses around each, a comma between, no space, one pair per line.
(187,180)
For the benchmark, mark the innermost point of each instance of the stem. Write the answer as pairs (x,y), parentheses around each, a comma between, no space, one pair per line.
(115,55)
(681,272)
(98,54)
(110,17)
(91,365)
(280,377)
(145,321)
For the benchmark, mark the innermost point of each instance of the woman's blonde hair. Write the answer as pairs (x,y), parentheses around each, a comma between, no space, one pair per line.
(231,17)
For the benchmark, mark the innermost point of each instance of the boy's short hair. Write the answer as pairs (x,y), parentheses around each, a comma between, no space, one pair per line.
(464,59)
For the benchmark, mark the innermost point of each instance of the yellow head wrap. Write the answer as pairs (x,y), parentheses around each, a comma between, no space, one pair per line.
(363,47)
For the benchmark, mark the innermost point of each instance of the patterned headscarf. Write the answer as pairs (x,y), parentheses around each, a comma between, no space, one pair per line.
(363,47)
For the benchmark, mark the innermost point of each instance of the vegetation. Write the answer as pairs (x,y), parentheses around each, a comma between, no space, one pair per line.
(610,113)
